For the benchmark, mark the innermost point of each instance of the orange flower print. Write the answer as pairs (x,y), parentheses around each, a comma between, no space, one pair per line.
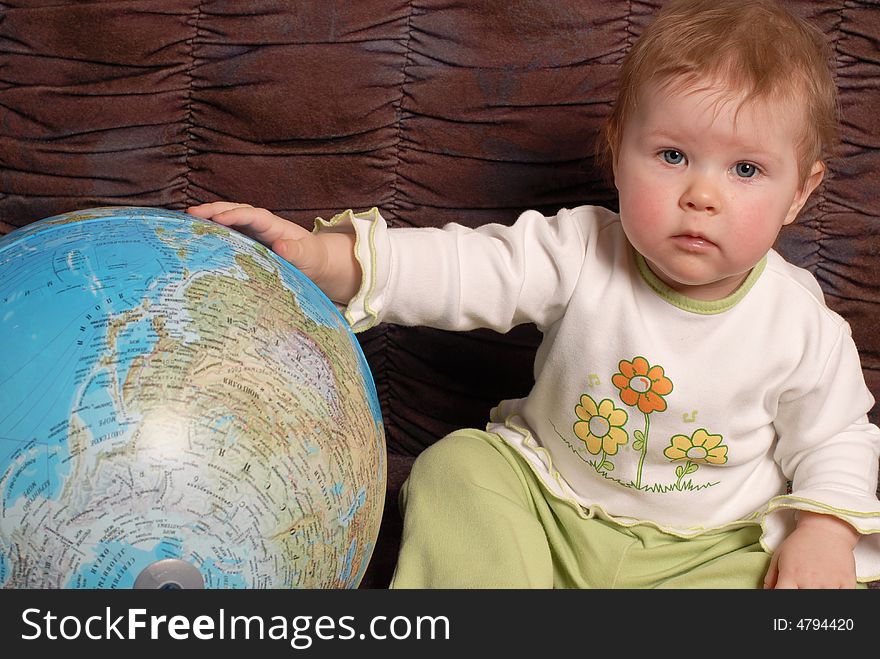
(642,385)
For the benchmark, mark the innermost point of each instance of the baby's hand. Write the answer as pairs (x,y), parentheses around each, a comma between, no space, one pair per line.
(258,223)
(817,554)
(326,259)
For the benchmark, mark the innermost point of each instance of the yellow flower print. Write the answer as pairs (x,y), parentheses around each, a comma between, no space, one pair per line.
(600,427)
(642,385)
(700,447)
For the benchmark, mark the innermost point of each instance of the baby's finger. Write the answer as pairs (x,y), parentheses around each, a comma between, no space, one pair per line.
(260,223)
(209,210)
(772,573)
(306,253)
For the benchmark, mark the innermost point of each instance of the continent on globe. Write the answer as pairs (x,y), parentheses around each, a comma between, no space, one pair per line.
(171,389)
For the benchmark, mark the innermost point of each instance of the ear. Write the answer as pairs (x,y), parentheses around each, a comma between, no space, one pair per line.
(614,168)
(814,178)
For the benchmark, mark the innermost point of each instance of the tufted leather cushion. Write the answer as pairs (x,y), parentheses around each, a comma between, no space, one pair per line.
(431,110)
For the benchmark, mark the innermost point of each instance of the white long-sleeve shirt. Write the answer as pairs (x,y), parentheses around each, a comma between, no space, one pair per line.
(647,407)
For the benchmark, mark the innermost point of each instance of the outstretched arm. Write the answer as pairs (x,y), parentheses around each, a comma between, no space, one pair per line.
(327,259)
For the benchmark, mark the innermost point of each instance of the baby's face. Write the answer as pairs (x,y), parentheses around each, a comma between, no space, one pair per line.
(706,183)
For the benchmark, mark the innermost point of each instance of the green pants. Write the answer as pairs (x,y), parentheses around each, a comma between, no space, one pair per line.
(476,516)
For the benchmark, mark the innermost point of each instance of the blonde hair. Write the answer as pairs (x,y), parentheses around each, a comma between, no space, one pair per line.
(754,46)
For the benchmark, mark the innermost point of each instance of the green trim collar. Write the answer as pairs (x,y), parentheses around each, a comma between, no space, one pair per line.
(705,307)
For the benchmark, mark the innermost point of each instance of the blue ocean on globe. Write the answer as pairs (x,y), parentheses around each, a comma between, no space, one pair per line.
(172,389)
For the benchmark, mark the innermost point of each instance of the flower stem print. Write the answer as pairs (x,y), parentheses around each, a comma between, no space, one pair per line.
(641,444)
(600,428)
(699,447)
(644,386)
(682,471)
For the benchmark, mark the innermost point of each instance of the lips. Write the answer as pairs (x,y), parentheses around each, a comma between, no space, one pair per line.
(693,242)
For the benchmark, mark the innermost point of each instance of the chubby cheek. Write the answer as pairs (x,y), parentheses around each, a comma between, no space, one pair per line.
(642,214)
(754,232)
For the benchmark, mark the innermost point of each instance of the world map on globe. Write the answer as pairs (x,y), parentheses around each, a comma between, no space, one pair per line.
(171,390)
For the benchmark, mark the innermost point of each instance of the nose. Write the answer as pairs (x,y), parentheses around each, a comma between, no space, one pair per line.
(700,194)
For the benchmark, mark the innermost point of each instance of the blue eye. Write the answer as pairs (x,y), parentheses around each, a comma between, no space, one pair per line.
(745,169)
(672,156)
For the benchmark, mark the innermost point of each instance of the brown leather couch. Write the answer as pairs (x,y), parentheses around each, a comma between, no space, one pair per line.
(434,111)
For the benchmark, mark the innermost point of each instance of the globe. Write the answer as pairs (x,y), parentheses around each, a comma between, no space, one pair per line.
(179,408)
